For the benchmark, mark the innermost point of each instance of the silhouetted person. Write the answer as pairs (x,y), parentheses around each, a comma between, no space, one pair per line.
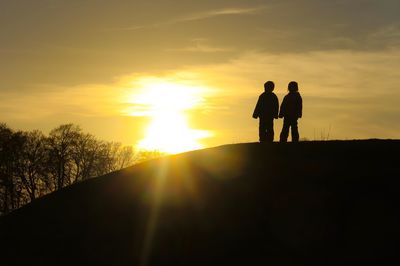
(267,109)
(291,110)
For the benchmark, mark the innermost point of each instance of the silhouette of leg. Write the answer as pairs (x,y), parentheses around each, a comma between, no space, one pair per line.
(285,130)
(295,131)
(262,130)
(270,130)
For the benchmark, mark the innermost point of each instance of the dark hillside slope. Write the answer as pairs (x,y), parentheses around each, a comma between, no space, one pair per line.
(314,203)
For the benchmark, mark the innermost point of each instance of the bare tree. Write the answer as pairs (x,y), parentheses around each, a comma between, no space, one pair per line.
(5,138)
(11,146)
(85,155)
(125,157)
(32,164)
(106,160)
(61,144)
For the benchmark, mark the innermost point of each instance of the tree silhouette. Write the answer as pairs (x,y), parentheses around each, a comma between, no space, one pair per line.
(62,141)
(33,164)
(31,169)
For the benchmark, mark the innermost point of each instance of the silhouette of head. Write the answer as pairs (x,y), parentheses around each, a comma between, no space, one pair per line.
(269,86)
(293,86)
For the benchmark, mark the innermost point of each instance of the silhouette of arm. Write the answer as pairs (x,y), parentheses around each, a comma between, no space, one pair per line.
(276,107)
(256,112)
(300,107)
(283,108)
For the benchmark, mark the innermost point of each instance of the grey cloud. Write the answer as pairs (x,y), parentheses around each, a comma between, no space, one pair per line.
(194,17)
(388,34)
(220,12)
(232,28)
(201,45)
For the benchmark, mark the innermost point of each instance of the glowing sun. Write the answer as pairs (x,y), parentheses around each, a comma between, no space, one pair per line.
(166,104)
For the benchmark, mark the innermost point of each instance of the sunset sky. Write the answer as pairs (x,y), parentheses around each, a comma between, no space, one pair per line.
(122,69)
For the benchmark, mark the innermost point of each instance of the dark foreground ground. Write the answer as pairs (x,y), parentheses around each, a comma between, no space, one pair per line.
(311,203)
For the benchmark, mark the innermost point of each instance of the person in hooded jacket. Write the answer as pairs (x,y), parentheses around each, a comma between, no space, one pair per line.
(291,110)
(267,110)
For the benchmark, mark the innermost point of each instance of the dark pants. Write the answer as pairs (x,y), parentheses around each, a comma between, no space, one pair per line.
(289,122)
(266,129)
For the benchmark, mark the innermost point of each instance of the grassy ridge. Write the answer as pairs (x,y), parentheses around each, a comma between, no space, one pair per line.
(322,203)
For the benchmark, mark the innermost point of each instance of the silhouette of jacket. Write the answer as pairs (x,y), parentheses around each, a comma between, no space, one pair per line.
(292,106)
(267,106)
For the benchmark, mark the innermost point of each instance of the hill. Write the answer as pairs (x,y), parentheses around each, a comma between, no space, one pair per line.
(314,203)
